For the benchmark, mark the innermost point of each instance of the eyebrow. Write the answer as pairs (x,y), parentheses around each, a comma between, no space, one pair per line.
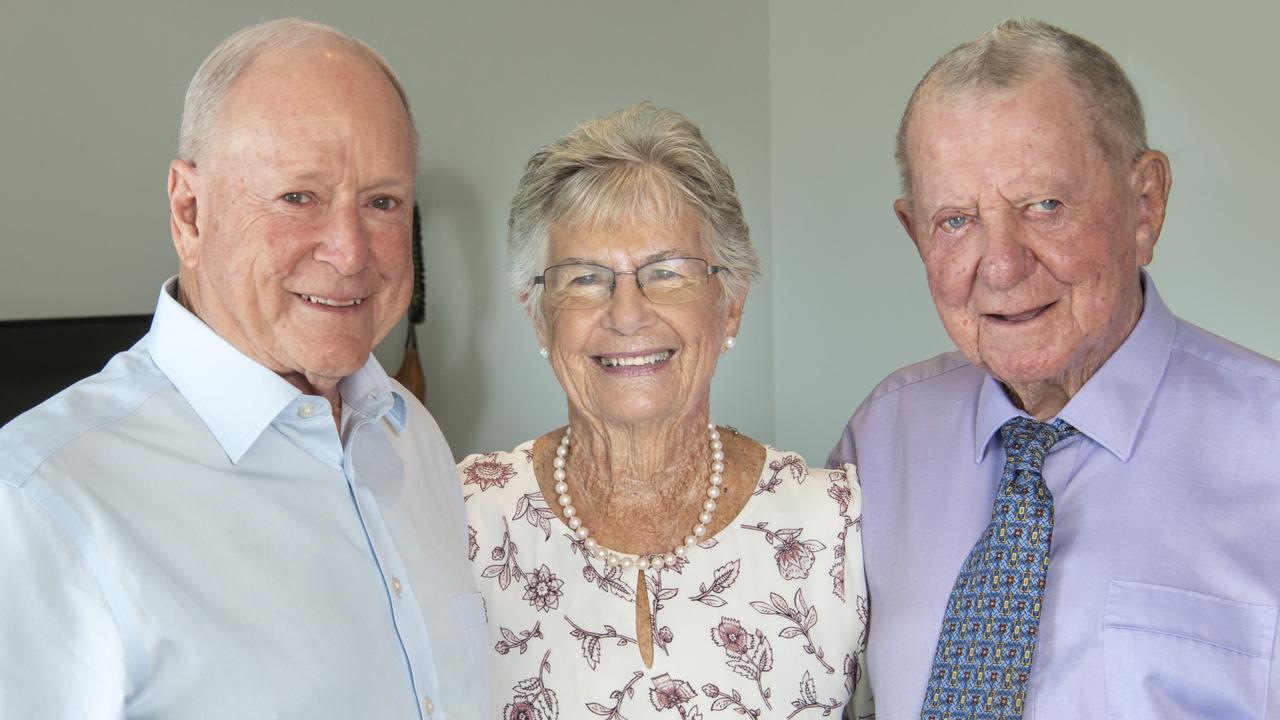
(652,258)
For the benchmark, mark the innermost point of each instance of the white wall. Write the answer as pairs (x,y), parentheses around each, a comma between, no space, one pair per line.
(800,98)
(850,300)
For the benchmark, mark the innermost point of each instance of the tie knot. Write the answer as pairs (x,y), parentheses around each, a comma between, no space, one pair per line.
(1023,436)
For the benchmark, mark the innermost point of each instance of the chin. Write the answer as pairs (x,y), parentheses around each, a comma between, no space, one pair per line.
(1013,371)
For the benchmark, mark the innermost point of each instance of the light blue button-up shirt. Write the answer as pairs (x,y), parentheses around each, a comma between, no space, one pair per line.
(187,535)
(1164,578)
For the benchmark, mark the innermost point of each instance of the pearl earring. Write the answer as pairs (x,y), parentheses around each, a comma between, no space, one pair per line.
(729,342)
(543,352)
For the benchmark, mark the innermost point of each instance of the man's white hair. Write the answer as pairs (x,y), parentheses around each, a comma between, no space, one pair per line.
(1015,51)
(219,71)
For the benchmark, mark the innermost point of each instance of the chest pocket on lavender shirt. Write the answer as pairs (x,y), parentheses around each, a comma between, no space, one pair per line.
(1172,653)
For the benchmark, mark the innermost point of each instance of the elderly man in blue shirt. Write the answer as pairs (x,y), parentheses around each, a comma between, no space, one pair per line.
(1078,514)
(243,516)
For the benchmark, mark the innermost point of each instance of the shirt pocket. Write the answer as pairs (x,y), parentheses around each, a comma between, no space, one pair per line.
(1172,653)
(471,611)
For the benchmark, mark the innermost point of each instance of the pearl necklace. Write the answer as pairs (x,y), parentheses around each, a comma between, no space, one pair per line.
(647,560)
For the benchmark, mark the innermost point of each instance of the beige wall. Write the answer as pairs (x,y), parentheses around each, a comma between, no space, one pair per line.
(800,98)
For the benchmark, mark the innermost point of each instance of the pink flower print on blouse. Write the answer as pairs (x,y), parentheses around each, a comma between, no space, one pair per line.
(542,589)
(487,472)
(731,636)
(794,556)
(667,692)
(521,710)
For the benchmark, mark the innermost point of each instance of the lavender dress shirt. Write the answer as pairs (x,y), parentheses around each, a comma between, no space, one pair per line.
(1164,580)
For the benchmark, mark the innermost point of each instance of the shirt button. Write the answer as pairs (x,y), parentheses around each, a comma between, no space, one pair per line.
(429,706)
(306,411)
(395,585)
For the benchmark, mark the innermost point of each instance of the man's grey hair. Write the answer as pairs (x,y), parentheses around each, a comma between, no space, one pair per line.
(1014,52)
(643,163)
(219,71)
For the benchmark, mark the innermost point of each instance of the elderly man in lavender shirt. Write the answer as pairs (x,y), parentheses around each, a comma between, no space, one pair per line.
(1034,202)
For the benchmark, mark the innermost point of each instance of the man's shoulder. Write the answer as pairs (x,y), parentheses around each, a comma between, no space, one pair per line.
(946,373)
(1212,353)
(104,398)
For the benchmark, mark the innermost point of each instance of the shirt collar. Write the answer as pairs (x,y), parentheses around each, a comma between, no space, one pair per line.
(1112,405)
(235,397)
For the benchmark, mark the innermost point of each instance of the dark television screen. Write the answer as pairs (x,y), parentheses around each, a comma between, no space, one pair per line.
(40,357)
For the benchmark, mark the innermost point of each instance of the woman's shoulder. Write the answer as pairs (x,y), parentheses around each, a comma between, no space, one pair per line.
(783,465)
(484,472)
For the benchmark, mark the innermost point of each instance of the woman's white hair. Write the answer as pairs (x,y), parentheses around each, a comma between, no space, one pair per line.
(219,71)
(641,163)
(1016,50)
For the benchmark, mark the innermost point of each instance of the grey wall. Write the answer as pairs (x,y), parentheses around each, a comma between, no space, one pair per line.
(93,94)
(800,98)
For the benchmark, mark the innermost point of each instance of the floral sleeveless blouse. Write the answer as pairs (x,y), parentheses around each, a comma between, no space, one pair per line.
(767,619)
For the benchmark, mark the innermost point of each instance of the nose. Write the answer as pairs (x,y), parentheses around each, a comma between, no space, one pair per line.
(628,310)
(1006,258)
(344,240)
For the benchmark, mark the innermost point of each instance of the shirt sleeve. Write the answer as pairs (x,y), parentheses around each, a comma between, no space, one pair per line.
(844,451)
(62,653)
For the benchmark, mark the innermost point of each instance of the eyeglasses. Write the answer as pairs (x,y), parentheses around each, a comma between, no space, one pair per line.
(666,282)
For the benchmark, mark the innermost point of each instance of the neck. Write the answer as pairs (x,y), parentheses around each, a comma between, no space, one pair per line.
(1041,400)
(326,387)
(641,474)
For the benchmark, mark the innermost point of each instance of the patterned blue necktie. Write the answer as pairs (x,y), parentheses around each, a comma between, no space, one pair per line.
(988,636)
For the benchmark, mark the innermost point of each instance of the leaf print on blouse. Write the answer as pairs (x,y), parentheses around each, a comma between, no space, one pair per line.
(667,693)
(803,617)
(808,699)
(504,557)
(473,547)
(837,569)
(750,655)
(793,555)
(731,700)
(542,589)
(842,495)
(627,692)
(539,517)
(610,580)
(724,577)
(662,636)
(591,641)
(533,700)
(487,472)
(795,467)
(511,641)
(852,674)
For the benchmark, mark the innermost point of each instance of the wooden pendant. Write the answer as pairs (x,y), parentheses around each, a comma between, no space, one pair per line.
(644,622)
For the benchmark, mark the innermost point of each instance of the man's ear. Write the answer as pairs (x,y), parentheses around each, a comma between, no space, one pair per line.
(902,209)
(183,187)
(1150,179)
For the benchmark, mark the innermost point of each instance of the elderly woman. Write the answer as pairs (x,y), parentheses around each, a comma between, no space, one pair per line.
(645,559)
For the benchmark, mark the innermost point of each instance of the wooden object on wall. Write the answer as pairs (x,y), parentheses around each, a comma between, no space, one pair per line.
(410,373)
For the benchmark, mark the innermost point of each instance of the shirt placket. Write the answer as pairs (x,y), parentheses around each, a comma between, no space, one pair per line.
(407,616)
